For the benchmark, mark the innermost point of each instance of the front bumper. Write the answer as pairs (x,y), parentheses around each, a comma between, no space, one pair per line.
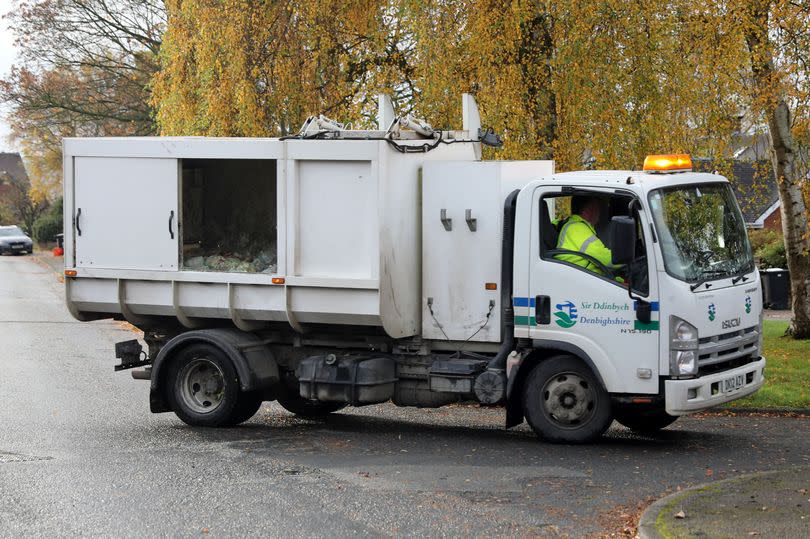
(687,396)
(9,249)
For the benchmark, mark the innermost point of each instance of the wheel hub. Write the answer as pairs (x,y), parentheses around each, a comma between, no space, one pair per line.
(202,385)
(568,400)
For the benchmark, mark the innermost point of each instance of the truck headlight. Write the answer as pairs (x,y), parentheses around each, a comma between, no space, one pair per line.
(683,346)
(685,362)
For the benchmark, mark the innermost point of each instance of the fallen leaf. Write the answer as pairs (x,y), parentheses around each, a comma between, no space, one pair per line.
(753,533)
(680,514)
(709,472)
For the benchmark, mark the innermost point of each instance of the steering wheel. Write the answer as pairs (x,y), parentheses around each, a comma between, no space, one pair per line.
(703,256)
(590,259)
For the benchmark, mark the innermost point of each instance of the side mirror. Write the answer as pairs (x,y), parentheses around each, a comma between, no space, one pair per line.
(622,239)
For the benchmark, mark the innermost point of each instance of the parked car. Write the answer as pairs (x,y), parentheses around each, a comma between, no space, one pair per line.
(13,240)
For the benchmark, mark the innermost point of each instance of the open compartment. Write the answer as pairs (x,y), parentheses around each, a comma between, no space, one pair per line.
(229,215)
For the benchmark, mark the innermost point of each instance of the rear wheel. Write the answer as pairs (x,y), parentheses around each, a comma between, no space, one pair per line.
(203,388)
(564,402)
(249,403)
(645,422)
(307,408)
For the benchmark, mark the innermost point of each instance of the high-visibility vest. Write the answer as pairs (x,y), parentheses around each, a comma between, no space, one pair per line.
(577,234)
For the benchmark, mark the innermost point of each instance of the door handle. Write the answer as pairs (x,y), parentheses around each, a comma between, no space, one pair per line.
(76,221)
(447,223)
(472,222)
(542,310)
(171,218)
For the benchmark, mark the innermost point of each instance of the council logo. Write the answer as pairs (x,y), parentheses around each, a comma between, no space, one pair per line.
(712,312)
(748,304)
(566,314)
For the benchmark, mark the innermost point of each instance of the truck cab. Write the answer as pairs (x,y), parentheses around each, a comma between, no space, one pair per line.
(676,329)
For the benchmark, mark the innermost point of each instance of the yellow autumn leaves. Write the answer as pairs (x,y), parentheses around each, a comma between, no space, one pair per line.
(608,81)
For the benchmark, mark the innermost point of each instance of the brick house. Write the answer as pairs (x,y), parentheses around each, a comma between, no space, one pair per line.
(756,191)
(11,166)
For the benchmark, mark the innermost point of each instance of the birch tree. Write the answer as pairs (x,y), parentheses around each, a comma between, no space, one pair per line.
(777,35)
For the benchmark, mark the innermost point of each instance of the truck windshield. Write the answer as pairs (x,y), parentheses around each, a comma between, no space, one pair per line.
(701,232)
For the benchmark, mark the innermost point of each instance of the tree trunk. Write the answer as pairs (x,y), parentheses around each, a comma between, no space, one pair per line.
(795,224)
(535,53)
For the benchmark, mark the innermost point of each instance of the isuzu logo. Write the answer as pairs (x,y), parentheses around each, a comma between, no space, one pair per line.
(733,323)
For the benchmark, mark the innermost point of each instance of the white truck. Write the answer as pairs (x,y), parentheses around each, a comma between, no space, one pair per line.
(341,267)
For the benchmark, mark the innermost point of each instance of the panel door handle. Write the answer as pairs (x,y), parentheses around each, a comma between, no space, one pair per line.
(447,222)
(76,221)
(171,218)
(472,222)
(542,310)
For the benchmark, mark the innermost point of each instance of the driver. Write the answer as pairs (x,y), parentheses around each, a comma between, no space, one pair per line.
(578,234)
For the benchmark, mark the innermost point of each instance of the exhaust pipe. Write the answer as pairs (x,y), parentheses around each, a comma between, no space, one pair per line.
(490,385)
(142,374)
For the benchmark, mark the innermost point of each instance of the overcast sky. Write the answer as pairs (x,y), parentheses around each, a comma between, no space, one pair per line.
(7,54)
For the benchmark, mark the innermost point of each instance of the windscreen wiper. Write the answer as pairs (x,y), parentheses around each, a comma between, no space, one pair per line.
(706,276)
(741,275)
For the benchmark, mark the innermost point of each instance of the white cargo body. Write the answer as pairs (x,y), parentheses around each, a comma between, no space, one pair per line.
(348,232)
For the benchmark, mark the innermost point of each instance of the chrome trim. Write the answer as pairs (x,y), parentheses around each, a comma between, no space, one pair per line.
(728,346)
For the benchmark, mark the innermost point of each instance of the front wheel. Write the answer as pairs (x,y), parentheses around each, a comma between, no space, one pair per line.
(564,402)
(646,423)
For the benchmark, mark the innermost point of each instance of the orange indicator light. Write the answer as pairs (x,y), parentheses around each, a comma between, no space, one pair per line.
(668,163)
(278,280)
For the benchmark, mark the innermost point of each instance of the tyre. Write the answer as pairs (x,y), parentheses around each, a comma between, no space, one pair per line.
(645,422)
(564,402)
(302,407)
(203,388)
(249,403)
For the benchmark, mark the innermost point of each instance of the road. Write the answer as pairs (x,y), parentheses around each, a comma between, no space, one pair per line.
(80,454)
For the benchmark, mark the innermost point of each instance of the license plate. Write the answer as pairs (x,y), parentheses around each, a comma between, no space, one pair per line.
(16,246)
(733,384)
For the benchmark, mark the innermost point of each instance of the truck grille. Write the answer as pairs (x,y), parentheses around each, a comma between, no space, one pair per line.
(728,350)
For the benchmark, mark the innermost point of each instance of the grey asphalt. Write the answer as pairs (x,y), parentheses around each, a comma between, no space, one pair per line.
(80,454)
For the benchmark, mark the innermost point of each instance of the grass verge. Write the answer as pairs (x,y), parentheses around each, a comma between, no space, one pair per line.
(787,374)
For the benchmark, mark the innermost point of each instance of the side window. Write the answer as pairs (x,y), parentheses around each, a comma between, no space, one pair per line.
(575,231)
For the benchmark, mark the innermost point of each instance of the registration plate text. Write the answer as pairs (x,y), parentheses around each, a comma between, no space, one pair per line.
(734,383)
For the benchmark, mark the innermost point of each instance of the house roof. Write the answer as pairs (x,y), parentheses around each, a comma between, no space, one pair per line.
(12,164)
(754,186)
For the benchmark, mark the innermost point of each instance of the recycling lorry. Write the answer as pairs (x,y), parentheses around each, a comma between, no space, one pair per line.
(340,267)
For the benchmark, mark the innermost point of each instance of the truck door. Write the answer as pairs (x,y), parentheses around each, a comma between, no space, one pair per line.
(578,306)
(125,213)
